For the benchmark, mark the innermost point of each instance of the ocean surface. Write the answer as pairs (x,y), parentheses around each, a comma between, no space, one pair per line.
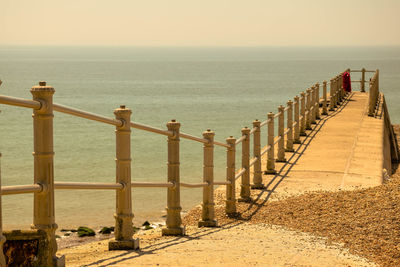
(223,89)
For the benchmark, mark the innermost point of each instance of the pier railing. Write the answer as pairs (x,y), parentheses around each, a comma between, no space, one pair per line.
(293,121)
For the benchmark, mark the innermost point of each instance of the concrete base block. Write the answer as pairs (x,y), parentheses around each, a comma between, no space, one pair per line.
(280,160)
(296,142)
(173,231)
(123,244)
(308,128)
(324,113)
(257,186)
(208,223)
(244,199)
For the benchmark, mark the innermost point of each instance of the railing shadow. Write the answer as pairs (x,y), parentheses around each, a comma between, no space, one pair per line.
(292,160)
(278,177)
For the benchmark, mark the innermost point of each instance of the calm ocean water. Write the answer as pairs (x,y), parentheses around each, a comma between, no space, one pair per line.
(222,89)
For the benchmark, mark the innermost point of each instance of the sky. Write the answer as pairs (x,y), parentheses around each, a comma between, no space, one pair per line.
(200,22)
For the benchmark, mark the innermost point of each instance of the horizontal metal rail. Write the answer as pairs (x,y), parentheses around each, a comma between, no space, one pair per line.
(264,123)
(150,129)
(194,138)
(85,185)
(277,140)
(193,185)
(301,117)
(241,139)
(20,102)
(286,131)
(294,123)
(265,150)
(86,115)
(286,109)
(223,183)
(253,130)
(253,161)
(221,144)
(20,189)
(361,71)
(151,184)
(277,115)
(240,173)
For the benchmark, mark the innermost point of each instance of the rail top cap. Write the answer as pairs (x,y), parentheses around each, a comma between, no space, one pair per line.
(42,87)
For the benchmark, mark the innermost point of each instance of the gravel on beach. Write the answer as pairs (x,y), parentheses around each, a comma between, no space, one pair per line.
(366,221)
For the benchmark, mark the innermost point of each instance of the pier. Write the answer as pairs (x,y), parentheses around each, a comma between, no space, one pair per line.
(327,139)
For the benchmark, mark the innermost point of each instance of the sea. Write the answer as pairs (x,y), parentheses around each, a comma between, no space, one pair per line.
(219,88)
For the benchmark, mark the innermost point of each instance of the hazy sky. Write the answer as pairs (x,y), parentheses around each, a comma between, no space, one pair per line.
(200,22)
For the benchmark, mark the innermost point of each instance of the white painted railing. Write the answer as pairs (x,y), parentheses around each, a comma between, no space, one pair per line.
(300,114)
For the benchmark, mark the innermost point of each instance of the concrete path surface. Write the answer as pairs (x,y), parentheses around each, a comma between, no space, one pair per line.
(343,151)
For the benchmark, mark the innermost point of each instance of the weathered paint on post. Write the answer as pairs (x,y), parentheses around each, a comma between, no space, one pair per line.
(2,238)
(281,134)
(317,114)
(362,88)
(230,208)
(332,93)
(208,213)
(174,221)
(271,152)
(245,185)
(325,101)
(257,176)
(123,215)
(308,108)
(289,139)
(297,120)
(43,207)
(303,114)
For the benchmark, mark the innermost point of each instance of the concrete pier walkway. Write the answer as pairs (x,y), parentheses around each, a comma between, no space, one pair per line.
(343,151)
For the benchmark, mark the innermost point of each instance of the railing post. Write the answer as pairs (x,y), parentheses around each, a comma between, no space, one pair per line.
(43,211)
(317,114)
(362,88)
(281,134)
(371,104)
(208,213)
(245,185)
(174,221)
(257,174)
(308,108)
(303,114)
(297,120)
(325,102)
(377,86)
(230,207)
(271,152)
(313,103)
(2,238)
(332,93)
(338,90)
(123,215)
(289,140)
(339,86)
